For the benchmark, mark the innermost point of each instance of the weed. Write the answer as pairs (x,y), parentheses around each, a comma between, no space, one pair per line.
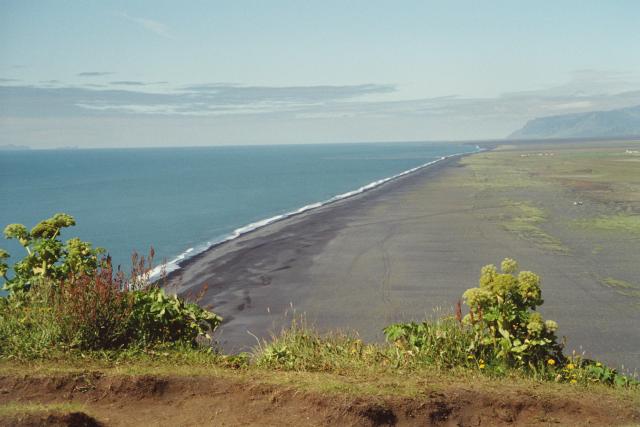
(62,297)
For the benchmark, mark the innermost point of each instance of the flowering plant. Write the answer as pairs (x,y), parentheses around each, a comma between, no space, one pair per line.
(503,317)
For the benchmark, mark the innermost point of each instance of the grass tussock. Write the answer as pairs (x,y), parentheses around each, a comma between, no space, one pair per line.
(300,348)
(17,409)
(622,287)
(524,220)
(441,344)
(619,223)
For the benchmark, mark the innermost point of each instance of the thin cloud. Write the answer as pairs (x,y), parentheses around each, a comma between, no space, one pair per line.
(52,101)
(128,83)
(95,73)
(155,27)
(136,83)
(5,80)
(311,102)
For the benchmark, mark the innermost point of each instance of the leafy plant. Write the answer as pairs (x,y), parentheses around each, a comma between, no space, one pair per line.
(501,313)
(28,325)
(62,296)
(47,256)
(159,317)
(443,343)
(586,371)
(300,348)
(94,311)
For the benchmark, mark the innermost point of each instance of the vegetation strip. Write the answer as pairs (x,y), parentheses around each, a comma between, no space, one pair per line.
(67,307)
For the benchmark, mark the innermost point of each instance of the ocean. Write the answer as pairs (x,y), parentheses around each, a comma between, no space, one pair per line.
(183,200)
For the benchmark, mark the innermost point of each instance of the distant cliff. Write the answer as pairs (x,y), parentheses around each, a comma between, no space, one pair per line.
(621,122)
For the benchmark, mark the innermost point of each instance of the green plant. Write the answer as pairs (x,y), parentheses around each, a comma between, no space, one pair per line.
(300,348)
(28,325)
(442,343)
(501,313)
(159,317)
(47,256)
(586,371)
(62,297)
(94,311)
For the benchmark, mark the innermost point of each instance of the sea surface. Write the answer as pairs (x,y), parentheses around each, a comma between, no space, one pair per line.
(183,200)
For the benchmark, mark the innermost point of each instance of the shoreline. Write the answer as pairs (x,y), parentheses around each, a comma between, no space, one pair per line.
(242,276)
(407,250)
(183,259)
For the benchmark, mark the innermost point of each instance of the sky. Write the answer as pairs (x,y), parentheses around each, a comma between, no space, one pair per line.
(169,73)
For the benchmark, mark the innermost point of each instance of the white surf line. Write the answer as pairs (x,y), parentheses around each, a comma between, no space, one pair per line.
(173,265)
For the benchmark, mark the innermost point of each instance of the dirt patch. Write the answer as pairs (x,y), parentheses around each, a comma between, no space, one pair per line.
(586,186)
(72,419)
(150,400)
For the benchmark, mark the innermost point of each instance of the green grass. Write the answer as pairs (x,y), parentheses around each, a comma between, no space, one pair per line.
(622,287)
(621,223)
(498,171)
(524,220)
(16,409)
(599,173)
(353,379)
(602,173)
(442,353)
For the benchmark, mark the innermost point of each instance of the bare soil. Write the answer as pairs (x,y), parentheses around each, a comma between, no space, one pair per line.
(112,400)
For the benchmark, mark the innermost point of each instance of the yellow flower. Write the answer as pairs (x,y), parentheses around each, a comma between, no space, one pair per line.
(573,381)
(571,366)
(598,364)
(470,356)
(481,366)
(551,362)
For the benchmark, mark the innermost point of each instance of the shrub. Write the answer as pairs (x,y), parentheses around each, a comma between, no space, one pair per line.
(158,317)
(62,296)
(501,330)
(94,311)
(442,343)
(47,257)
(502,316)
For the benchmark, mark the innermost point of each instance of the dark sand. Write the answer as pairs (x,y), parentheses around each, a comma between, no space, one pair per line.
(397,253)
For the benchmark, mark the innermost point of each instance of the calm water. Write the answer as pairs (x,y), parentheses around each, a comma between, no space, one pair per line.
(181,198)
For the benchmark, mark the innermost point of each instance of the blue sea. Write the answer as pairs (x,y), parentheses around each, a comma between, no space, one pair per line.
(183,200)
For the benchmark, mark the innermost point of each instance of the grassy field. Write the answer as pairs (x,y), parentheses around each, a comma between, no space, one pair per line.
(580,199)
(602,172)
(356,379)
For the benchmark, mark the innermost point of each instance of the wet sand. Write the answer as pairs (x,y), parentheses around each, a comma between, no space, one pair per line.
(396,253)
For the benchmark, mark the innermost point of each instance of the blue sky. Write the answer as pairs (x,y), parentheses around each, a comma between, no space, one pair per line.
(154,73)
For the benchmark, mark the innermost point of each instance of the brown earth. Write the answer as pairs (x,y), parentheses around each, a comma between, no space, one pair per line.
(113,400)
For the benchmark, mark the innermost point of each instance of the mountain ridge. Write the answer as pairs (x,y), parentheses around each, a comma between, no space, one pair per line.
(609,123)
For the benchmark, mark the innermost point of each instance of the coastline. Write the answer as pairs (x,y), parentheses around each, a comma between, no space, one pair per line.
(405,251)
(183,258)
(232,278)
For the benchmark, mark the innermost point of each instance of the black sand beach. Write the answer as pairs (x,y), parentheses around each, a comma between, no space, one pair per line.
(403,251)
